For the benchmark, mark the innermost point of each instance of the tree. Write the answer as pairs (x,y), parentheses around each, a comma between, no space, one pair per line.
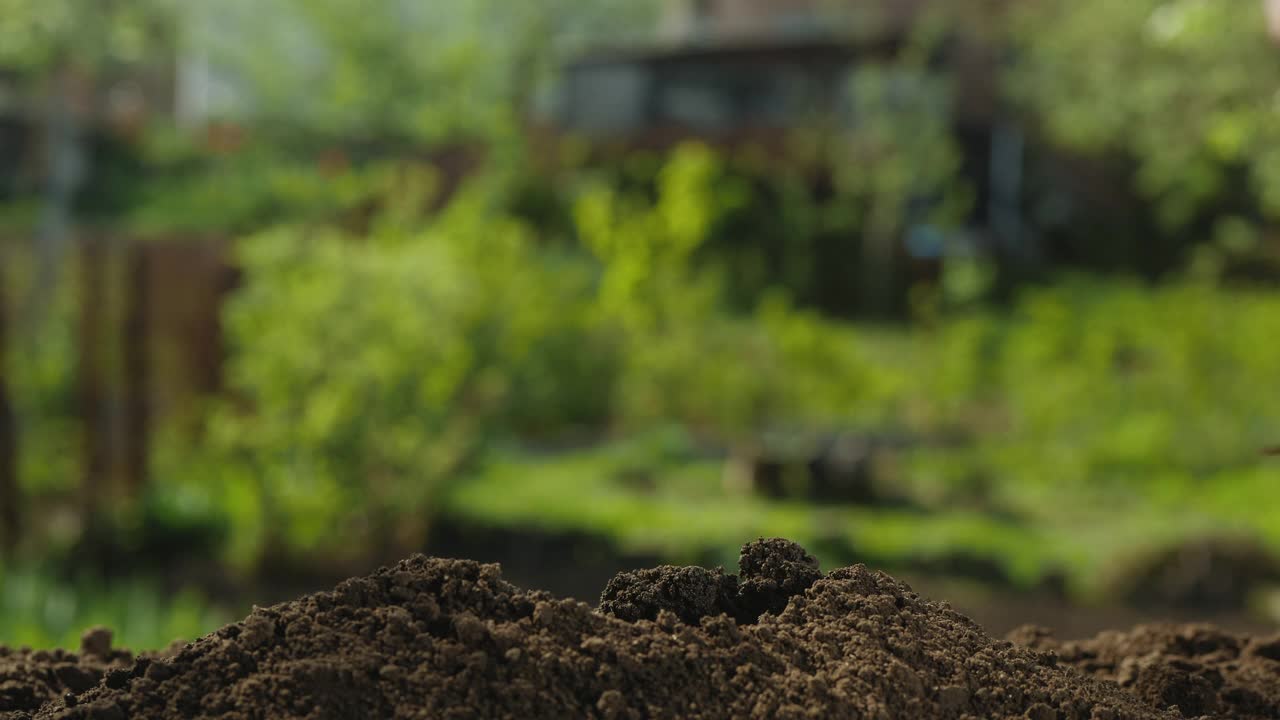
(60,50)
(417,71)
(1184,88)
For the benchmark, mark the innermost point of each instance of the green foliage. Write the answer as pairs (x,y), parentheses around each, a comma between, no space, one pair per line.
(899,148)
(645,248)
(255,189)
(41,612)
(40,377)
(422,72)
(36,35)
(679,510)
(1179,373)
(1184,87)
(380,355)
(823,222)
(688,358)
(368,371)
(1136,412)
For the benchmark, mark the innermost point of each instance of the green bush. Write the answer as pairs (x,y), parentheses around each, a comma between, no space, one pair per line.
(367,371)
(689,357)
(1104,76)
(1138,411)
(40,373)
(255,189)
(1094,422)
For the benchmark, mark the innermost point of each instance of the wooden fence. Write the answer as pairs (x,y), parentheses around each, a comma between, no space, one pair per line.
(167,339)
(8,444)
(148,349)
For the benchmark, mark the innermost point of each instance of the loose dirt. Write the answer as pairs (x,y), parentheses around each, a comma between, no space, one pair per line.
(1198,668)
(30,678)
(432,638)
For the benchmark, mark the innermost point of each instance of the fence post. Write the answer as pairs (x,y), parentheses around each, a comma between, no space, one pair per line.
(92,381)
(137,367)
(10,514)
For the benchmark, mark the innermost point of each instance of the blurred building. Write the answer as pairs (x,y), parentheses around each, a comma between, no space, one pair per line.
(760,73)
(691,20)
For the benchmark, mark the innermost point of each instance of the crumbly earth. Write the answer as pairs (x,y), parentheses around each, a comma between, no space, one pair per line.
(29,678)
(772,572)
(1197,669)
(432,638)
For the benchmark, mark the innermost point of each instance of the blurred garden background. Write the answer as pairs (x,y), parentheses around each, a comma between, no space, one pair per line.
(979,292)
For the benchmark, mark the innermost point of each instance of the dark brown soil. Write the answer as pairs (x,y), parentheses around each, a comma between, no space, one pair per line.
(1198,668)
(772,572)
(28,678)
(431,638)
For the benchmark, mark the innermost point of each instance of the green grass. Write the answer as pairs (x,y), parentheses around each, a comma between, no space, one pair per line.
(40,612)
(680,512)
(683,514)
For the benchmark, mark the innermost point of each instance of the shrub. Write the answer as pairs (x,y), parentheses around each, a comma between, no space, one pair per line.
(367,371)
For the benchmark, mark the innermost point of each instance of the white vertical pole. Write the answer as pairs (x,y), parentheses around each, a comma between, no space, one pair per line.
(1272,10)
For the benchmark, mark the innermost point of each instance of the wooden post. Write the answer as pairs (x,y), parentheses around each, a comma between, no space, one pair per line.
(207,344)
(137,368)
(10,513)
(92,381)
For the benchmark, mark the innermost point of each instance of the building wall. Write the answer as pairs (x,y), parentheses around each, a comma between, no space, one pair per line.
(684,20)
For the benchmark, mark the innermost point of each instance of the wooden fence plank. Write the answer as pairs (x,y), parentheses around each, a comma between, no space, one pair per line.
(93,381)
(10,515)
(137,367)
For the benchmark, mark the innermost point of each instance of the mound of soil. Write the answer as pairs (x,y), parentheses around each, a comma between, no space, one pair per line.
(432,638)
(773,571)
(1197,668)
(29,679)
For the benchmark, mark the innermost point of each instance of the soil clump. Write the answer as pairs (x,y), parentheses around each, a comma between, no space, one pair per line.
(433,638)
(30,678)
(772,572)
(1197,670)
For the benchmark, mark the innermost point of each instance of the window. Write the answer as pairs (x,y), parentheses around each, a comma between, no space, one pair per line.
(607,99)
(730,95)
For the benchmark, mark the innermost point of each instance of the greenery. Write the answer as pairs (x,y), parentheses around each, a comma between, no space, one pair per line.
(361,72)
(366,372)
(574,346)
(1166,446)
(37,611)
(1104,76)
(672,503)
(1165,449)
(37,36)
(40,367)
